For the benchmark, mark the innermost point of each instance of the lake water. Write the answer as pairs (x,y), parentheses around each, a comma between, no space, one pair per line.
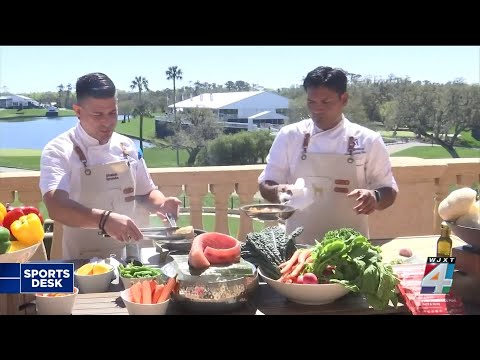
(35,133)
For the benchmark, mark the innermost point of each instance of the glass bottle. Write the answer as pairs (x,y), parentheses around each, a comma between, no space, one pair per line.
(444,242)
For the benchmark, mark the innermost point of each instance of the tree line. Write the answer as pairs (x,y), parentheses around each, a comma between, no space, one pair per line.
(433,111)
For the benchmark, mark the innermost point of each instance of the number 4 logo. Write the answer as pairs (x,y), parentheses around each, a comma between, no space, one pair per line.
(438,278)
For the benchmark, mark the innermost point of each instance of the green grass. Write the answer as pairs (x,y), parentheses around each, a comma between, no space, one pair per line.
(20,158)
(13,114)
(436,152)
(158,158)
(132,128)
(30,159)
(400,134)
(469,140)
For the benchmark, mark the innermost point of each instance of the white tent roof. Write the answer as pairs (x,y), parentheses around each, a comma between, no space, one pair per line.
(24,97)
(265,115)
(215,100)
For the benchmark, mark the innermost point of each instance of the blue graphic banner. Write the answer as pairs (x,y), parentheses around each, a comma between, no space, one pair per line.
(36,277)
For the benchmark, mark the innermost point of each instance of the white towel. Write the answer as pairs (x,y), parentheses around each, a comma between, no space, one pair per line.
(297,195)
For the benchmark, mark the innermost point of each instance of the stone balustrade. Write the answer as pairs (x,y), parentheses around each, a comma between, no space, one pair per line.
(423,184)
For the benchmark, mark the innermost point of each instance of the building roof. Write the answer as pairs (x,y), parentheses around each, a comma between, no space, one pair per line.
(9,97)
(215,100)
(264,115)
(25,97)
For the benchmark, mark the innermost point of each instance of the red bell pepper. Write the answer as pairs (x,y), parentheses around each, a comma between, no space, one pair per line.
(12,216)
(32,210)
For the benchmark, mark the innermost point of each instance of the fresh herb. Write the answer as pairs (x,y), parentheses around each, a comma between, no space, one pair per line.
(347,257)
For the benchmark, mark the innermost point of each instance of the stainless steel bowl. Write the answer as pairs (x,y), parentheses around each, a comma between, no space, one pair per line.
(268,212)
(470,235)
(165,240)
(207,295)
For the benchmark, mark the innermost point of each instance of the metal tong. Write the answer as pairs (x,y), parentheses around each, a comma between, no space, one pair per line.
(171,219)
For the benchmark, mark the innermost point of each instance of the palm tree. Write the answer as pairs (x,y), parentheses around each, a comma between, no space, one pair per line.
(174,73)
(60,95)
(67,96)
(141,84)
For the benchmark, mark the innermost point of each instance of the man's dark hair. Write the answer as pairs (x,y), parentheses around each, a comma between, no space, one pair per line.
(333,79)
(96,85)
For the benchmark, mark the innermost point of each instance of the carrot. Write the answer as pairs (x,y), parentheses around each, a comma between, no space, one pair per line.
(303,256)
(153,286)
(301,263)
(146,292)
(136,293)
(167,290)
(157,293)
(291,262)
(298,269)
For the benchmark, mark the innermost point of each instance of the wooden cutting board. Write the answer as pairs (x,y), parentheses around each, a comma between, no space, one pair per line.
(421,246)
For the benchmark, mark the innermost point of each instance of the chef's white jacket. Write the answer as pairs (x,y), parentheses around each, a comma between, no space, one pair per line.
(370,153)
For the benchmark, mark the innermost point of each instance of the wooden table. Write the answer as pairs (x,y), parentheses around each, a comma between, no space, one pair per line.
(266,300)
(269,302)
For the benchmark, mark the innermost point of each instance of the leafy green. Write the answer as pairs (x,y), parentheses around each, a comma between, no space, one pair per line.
(269,248)
(347,257)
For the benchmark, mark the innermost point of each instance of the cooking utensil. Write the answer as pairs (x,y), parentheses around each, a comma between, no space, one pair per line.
(158,233)
(268,212)
(171,219)
(174,243)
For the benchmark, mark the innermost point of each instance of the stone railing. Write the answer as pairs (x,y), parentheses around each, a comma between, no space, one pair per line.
(423,184)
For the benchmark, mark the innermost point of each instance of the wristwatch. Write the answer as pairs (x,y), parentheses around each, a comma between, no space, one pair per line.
(378,197)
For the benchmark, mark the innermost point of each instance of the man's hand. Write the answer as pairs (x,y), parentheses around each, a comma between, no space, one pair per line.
(270,190)
(171,205)
(366,201)
(122,228)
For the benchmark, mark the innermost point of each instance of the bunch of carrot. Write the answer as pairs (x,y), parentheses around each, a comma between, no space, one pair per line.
(294,267)
(149,292)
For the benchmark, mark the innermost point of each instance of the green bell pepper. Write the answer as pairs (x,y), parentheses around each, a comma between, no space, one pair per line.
(4,240)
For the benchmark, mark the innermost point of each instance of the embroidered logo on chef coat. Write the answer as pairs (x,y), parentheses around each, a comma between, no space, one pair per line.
(356,147)
(113,176)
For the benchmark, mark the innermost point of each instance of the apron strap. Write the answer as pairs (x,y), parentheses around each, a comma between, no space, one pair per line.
(350,147)
(81,155)
(125,153)
(306,141)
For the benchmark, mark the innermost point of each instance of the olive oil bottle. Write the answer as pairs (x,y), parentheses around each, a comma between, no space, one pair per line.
(444,243)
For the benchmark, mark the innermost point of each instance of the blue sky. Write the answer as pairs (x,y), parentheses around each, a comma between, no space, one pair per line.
(26,69)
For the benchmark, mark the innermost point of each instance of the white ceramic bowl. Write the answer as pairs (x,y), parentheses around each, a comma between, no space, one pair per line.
(143,309)
(56,305)
(19,256)
(307,294)
(95,283)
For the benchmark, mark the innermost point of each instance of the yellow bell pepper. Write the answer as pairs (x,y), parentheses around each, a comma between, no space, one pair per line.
(3,212)
(28,229)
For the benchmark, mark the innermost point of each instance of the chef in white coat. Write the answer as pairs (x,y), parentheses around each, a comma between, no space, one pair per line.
(346,167)
(94,180)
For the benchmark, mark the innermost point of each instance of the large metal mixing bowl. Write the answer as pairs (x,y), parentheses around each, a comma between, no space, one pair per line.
(468,234)
(207,294)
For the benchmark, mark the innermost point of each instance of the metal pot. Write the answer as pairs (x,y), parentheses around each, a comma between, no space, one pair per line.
(210,294)
(166,244)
